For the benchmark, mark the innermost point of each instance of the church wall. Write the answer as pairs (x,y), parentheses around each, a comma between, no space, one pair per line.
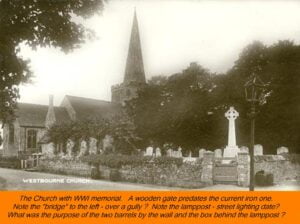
(20,139)
(11,149)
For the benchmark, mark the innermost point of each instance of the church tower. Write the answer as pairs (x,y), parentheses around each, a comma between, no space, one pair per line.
(134,77)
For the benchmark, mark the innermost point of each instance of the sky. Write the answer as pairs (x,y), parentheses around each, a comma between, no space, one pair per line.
(173,34)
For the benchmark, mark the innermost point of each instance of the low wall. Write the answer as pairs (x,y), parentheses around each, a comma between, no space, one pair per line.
(65,166)
(283,167)
(187,175)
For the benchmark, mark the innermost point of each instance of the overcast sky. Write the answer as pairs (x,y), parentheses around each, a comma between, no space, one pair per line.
(173,34)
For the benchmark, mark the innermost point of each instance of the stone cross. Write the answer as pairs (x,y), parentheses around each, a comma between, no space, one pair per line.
(231,149)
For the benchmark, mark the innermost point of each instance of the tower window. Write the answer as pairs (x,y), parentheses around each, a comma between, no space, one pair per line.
(31,139)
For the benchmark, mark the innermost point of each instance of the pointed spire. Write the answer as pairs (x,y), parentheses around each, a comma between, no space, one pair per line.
(134,71)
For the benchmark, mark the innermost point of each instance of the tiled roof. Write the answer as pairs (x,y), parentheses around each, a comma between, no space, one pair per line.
(61,115)
(34,115)
(86,108)
(31,115)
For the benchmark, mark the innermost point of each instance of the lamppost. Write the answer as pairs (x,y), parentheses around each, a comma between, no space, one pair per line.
(253,93)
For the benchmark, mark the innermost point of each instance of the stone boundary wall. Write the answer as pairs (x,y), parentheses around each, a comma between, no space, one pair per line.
(188,175)
(64,166)
(281,166)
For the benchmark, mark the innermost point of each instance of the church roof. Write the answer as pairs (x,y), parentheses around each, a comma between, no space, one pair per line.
(86,108)
(134,71)
(34,115)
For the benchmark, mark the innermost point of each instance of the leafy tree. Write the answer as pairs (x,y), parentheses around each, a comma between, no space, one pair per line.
(188,108)
(174,110)
(124,133)
(36,23)
(276,121)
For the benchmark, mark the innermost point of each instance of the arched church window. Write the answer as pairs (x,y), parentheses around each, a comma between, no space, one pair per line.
(31,139)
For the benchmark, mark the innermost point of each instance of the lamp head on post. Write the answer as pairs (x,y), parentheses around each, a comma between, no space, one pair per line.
(254,89)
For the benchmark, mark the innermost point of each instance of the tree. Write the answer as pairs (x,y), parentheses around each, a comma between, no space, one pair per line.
(36,23)
(174,110)
(188,108)
(277,122)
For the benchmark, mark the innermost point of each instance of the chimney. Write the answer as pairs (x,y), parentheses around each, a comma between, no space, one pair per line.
(50,118)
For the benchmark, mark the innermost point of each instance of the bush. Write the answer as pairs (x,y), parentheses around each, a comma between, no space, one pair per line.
(10,162)
(264,179)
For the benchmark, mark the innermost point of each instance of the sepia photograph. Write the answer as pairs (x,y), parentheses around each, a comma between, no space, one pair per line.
(140,95)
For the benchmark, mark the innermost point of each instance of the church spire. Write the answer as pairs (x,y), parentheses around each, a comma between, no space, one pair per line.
(134,71)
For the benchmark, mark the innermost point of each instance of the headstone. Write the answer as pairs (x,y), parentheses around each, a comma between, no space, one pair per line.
(93,146)
(149,151)
(201,153)
(190,154)
(157,152)
(179,152)
(244,149)
(231,149)
(282,150)
(258,150)
(70,145)
(108,144)
(218,153)
(83,148)
(169,152)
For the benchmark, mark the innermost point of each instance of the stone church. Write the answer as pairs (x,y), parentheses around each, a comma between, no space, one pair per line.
(23,136)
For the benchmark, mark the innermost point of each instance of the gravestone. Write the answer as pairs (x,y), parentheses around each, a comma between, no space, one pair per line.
(282,150)
(218,153)
(157,152)
(231,149)
(169,152)
(201,153)
(83,148)
(244,149)
(179,152)
(258,150)
(149,151)
(93,146)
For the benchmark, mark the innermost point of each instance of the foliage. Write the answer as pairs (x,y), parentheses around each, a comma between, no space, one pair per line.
(120,127)
(167,110)
(36,23)
(123,131)
(77,131)
(187,109)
